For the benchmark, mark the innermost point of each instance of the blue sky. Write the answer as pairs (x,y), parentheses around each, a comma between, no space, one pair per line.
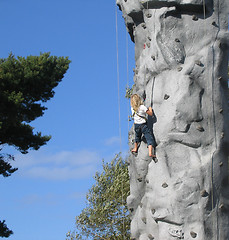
(40,201)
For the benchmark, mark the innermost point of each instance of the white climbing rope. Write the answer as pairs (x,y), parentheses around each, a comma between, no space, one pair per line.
(120,135)
(117,51)
(151,98)
(214,121)
(212,103)
(127,81)
(144,97)
(153,80)
(210,124)
(212,153)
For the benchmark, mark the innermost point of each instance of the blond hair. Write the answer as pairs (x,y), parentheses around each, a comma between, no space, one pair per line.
(135,102)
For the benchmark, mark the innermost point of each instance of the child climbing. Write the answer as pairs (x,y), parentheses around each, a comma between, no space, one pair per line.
(139,111)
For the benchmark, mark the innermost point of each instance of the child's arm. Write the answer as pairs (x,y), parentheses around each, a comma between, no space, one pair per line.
(150,111)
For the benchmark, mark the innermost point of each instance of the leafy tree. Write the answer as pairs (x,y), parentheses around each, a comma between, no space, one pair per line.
(106,214)
(25,84)
(4,231)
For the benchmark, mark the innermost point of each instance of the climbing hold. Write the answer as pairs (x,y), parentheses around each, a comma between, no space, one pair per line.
(149,38)
(194,18)
(204,193)
(130,118)
(144,95)
(214,23)
(144,46)
(179,69)
(148,45)
(177,40)
(164,185)
(148,15)
(166,96)
(147,180)
(198,62)
(221,110)
(125,0)
(153,210)
(131,209)
(143,25)
(222,135)
(150,236)
(140,179)
(221,164)
(176,233)
(200,128)
(193,234)
(220,78)
(140,205)
(135,71)
(222,207)
(144,220)
(153,57)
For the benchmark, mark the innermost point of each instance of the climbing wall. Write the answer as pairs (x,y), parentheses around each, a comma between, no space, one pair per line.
(181,54)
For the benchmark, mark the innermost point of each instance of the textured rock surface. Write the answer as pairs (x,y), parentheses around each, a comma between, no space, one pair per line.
(181,51)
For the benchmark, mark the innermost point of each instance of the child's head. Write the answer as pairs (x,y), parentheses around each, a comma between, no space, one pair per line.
(135,102)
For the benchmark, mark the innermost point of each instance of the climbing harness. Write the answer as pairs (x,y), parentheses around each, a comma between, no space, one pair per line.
(139,115)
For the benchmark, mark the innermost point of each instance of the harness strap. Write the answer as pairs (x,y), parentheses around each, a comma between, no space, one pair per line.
(139,115)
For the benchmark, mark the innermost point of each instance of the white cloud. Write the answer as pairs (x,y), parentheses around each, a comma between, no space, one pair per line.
(62,165)
(50,199)
(112,141)
(61,173)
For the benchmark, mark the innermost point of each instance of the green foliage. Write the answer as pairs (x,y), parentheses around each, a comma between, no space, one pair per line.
(25,83)
(4,231)
(5,168)
(129,92)
(106,215)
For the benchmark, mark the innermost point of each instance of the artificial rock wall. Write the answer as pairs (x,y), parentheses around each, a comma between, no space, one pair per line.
(181,53)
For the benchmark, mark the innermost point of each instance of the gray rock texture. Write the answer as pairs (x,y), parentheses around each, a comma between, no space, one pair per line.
(181,53)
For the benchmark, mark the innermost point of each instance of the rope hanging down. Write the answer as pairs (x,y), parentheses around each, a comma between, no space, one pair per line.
(119,111)
(127,80)
(120,133)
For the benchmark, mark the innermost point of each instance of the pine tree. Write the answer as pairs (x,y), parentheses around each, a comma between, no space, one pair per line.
(25,84)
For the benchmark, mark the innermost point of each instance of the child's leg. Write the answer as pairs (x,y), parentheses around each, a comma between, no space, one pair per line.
(138,134)
(150,141)
(135,149)
(151,151)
